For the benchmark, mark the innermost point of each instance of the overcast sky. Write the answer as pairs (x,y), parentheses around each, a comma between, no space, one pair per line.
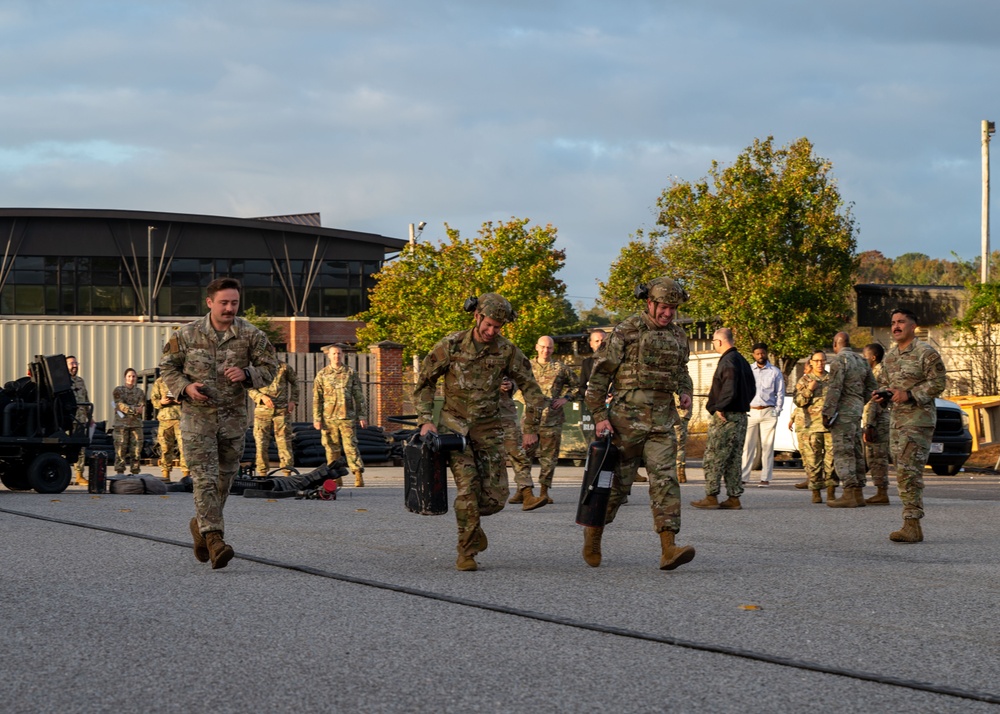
(379,113)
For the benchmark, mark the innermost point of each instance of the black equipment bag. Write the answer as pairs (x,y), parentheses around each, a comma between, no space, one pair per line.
(425,472)
(602,458)
(97,472)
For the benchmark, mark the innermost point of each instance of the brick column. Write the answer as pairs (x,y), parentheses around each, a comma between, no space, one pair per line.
(298,334)
(388,383)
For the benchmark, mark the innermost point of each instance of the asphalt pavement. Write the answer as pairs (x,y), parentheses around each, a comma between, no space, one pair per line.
(355,605)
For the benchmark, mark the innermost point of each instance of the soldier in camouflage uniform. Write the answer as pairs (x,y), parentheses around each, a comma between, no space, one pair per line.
(875,432)
(275,405)
(473,364)
(209,364)
(815,440)
(339,403)
(914,373)
(169,433)
(83,415)
(851,384)
(557,383)
(644,363)
(130,403)
(512,439)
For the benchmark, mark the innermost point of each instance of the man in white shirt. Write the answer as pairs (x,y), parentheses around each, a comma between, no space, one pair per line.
(765,408)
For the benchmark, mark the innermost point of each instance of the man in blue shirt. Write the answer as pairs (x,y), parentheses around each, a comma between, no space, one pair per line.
(765,408)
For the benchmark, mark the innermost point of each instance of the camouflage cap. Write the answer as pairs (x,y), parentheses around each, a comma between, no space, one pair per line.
(666,290)
(496,307)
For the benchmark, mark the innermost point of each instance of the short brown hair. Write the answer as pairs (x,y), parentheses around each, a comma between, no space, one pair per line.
(223,284)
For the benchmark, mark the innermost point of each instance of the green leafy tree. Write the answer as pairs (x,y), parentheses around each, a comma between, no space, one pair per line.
(262,321)
(418,297)
(765,246)
(979,329)
(640,260)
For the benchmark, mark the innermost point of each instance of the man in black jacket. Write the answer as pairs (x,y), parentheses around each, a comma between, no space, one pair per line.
(728,403)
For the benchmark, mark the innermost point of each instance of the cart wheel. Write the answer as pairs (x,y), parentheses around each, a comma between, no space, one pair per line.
(49,473)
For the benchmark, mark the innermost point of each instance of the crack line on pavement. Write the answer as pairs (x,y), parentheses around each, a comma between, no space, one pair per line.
(559,620)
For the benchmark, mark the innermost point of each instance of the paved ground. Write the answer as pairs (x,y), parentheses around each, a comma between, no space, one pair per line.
(355,605)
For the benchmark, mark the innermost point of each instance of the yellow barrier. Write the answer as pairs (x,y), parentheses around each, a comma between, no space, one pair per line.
(984,419)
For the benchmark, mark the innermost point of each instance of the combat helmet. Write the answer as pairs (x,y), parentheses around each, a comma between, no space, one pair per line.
(665,290)
(493,306)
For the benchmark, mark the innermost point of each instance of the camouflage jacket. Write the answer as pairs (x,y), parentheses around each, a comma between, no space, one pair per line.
(130,403)
(195,354)
(811,402)
(876,414)
(472,375)
(337,394)
(851,385)
(284,388)
(638,356)
(170,412)
(555,380)
(919,370)
(80,395)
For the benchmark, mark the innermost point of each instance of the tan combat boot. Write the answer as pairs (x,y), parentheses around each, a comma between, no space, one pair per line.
(859,496)
(592,545)
(544,493)
(802,484)
(639,478)
(848,500)
(911,532)
(359,481)
(340,482)
(673,555)
(710,502)
(817,496)
(466,563)
(529,501)
(681,476)
(881,497)
(219,551)
(200,549)
(166,475)
(518,496)
(731,504)
(831,492)
(80,480)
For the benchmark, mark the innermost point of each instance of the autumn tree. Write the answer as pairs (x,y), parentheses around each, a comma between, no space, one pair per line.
(765,246)
(979,329)
(638,262)
(418,297)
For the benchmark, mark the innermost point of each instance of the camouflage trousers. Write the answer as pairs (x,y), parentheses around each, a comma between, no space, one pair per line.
(279,420)
(681,432)
(480,480)
(213,451)
(911,445)
(171,448)
(848,456)
(519,460)
(128,448)
(547,452)
(638,438)
(723,460)
(81,462)
(878,461)
(816,448)
(339,437)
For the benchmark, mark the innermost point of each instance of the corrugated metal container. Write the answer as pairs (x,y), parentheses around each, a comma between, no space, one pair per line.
(105,350)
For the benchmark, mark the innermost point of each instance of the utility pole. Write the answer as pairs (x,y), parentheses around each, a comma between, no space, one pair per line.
(984,268)
(149,268)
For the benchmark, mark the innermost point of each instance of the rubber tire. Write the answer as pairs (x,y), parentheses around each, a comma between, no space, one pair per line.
(945,469)
(49,473)
(15,483)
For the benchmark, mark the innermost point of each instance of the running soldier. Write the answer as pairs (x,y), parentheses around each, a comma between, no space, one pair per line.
(644,364)
(473,364)
(914,373)
(209,364)
(275,404)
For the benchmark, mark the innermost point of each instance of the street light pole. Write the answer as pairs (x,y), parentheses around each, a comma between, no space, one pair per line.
(984,268)
(149,268)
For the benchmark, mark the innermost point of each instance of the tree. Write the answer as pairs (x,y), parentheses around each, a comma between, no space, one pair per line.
(765,246)
(873,268)
(262,321)
(640,260)
(418,297)
(979,329)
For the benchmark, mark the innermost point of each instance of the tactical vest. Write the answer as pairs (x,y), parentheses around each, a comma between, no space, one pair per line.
(651,358)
